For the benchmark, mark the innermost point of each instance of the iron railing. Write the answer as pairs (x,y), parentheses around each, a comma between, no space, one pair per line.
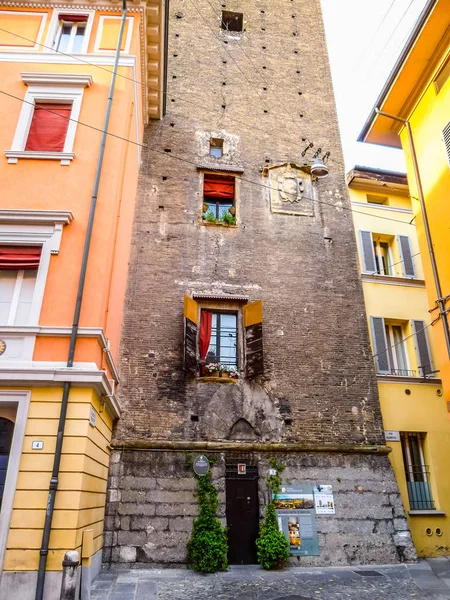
(419,490)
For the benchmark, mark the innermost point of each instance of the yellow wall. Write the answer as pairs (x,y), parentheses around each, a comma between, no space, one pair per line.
(80,499)
(428,119)
(423,410)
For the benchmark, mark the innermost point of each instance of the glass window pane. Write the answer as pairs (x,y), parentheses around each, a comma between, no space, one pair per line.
(400,350)
(389,348)
(63,42)
(7,285)
(25,298)
(79,38)
(223,208)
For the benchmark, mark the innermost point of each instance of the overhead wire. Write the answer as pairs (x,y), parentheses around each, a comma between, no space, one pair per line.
(386,350)
(144,84)
(185,160)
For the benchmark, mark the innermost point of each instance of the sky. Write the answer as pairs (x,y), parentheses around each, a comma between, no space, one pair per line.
(365,38)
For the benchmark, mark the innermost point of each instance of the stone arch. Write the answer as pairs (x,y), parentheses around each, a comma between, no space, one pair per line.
(242,430)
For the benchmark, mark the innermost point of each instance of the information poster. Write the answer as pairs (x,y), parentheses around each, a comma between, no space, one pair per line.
(323,500)
(296,515)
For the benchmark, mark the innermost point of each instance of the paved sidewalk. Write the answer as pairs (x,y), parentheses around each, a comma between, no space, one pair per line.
(426,579)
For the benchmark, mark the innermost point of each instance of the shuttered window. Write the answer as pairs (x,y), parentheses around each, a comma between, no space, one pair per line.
(254,353)
(446,137)
(406,256)
(367,251)
(48,127)
(422,348)
(190,335)
(380,345)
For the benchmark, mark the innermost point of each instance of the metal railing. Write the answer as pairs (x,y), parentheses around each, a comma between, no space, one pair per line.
(419,490)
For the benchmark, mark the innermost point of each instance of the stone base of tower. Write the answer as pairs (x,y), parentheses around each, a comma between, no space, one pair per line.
(152,505)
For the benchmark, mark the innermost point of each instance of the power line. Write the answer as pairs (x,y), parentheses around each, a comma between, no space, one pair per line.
(393,264)
(386,350)
(143,84)
(185,160)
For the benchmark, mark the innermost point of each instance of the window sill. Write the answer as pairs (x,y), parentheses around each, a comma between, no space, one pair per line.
(217,379)
(392,279)
(14,155)
(405,379)
(208,224)
(426,513)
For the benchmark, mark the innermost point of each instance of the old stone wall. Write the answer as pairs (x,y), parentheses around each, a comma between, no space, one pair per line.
(152,505)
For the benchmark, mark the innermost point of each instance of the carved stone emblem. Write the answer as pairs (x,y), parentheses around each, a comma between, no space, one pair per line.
(2,347)
(291,190)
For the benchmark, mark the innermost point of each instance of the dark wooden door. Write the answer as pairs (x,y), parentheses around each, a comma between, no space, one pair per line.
(242,520)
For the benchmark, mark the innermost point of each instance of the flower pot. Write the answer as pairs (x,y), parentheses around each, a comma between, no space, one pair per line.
(205,207)
(232,211)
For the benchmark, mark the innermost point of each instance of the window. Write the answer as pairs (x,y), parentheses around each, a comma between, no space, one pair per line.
(380,253)
(213,338)
(232,21)
(416,471)
(446,138)
(71,32)
(18,269)
(48,119)
(219,199)
(443,76)
(372,199)
(216,147)
(390,348)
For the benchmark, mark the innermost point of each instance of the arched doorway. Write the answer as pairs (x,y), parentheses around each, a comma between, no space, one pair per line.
(6,435)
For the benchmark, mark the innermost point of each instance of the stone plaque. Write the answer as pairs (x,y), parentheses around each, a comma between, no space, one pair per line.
(201,465)
(291,190)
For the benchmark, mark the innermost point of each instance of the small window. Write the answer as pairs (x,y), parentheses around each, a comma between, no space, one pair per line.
(219,199)
(18,270)
(443,76)
(446,138)
(232,21)
(48,127)
(71,33)
(218,341)
(383,257)
(416,471)
(372,199)
(397,352)
(216,147)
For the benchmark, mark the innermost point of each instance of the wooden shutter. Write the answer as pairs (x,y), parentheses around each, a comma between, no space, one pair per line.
(190,335)
(406,256)
(422,348)
(48,127)
(380,345)
(254,355)
(367,251)
(446,138)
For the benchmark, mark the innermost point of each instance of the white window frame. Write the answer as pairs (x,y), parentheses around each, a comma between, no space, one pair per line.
(126,48)
(379,255)
(22,400)
(392,344)
(43,87)
(15,299)
(39,34)
(54,30)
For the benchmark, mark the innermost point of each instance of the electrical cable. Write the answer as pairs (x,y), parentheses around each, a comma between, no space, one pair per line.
(143,84)
(386,350)
(169,154)
(392,264)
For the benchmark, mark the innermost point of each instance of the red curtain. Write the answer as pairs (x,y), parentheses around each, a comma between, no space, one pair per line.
(71,18)
(48,130)
(16,258)
(218,188)
(205,333)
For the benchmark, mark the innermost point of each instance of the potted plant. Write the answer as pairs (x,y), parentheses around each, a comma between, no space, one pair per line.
(212,369)
(229,371)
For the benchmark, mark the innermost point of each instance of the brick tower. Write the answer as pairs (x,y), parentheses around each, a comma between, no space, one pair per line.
(245,334)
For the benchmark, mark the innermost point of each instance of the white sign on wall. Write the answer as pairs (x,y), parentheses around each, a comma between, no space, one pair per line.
(392,436)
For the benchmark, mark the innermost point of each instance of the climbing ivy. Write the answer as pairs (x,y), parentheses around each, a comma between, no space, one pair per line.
(272,545)
(207,547)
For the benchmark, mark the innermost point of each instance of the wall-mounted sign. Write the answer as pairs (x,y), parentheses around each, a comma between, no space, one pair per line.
(37,445)
(272,471)
(297,519)
(392,436)
(92,416)
(242,469)
(200,465)
(323,500)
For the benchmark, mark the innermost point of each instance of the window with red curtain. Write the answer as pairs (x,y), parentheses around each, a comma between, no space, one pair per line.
(48,127)
(73,18)
(18,258)
(218,187)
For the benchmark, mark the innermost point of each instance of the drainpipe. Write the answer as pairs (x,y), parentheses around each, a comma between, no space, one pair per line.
(440,300)
(76,321)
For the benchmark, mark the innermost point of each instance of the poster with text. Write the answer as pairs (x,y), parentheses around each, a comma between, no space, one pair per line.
(323,500)
(294,506)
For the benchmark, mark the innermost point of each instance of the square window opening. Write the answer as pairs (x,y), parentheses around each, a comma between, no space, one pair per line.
(232,21)
(373,199)
(48,127)
(216,147)
(219,199)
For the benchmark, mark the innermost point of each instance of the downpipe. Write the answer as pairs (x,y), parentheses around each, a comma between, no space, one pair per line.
(43,553)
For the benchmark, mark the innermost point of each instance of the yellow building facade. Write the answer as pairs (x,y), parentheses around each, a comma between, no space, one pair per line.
(415,116)
(56,64)
(405,353)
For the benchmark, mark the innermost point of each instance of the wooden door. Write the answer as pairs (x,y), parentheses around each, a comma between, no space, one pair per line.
(242,513)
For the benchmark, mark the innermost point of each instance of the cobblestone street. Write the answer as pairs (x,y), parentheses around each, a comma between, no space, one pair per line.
(423,580)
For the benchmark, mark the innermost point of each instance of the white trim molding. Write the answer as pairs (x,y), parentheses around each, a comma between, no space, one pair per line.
(68,94)
(54,29)
(37,42)
(38,78)
(56,374)
(35,217)
(21,399)
(388,208)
